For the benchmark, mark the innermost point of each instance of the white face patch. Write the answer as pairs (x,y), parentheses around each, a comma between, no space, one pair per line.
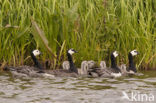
(71,51)
(36,52)
(134,52)
(115,54)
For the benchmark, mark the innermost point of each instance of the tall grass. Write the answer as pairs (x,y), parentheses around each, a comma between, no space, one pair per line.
(93,27)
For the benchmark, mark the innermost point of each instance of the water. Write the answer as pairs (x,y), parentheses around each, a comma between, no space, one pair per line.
(76,90)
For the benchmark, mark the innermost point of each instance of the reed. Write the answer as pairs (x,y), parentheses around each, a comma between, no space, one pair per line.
(93,27)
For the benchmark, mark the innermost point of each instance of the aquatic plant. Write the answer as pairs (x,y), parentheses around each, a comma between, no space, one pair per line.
(93,27)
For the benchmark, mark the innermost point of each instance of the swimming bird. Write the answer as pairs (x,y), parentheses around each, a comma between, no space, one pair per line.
(29,71)
(98,71)
(65,65)
(81,71)
(84,68)
(114,68)
(69,69)
(132,68)
(70,59)
(123,70)
(103,65)
(91,64)
(104,71)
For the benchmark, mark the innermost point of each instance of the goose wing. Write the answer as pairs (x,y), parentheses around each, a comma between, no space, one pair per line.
(100,72)
(61,73)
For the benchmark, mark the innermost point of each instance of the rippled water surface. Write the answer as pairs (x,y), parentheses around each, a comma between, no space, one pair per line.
(77,90)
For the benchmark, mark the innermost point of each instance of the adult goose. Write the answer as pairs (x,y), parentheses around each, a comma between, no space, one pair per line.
(104,71)
(28,71)
(69,69)
(131,69)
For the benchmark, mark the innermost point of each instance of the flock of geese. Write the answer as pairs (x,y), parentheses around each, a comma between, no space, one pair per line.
(88,68)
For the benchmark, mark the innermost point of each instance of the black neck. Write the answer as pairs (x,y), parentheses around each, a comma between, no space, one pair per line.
(131,63)
(113,64)
(72,66)
(36,62)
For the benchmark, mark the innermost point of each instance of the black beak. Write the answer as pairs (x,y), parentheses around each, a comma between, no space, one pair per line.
(75,51)
(138,53)
(41,53)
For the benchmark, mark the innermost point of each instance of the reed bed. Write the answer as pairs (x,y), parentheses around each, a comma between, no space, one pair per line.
(93,27)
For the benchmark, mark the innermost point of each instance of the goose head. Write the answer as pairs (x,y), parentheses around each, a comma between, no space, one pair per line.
(114,54)
(91,64)
(36,52)
(71,51)
(134,52)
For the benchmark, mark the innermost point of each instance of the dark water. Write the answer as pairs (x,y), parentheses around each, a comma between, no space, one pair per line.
(78,90)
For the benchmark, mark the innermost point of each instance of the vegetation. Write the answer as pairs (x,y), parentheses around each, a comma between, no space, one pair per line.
(93,27)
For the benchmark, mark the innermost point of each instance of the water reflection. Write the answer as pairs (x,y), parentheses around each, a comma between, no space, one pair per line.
(73,90)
